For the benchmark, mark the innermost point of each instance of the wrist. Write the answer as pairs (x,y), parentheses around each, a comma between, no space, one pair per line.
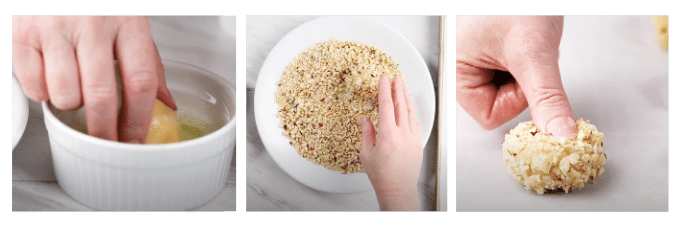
(402,199)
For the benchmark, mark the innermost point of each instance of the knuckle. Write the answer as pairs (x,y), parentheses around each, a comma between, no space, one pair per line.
(33,88)
(25,47)
(94,29)
(66,101)
(549,97)
(21,35)
(135,19)
(100,97)
(94,22)
(37,95)
(143,82)
(388,141)
(488,122)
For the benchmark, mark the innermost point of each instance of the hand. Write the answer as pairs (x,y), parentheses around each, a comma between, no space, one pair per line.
(487,48)
(70,61)
(392,162)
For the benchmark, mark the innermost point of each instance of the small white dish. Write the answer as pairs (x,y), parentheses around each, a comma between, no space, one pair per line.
(19,112)
(108,175)
(412,65)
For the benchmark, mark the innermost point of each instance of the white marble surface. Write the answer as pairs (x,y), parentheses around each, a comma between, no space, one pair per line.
(271,189)
(206,42)
(615,75)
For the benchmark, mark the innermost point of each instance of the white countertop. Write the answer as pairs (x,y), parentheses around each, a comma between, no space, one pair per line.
(206,42)
(615,75)
(268,186)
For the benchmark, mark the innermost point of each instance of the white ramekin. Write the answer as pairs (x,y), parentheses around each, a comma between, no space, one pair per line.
(107,175)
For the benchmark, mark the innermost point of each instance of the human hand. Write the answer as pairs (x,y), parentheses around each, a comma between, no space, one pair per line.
(70,61)
(487,48)
(392,160)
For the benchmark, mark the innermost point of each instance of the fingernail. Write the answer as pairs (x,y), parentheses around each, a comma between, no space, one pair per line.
(561,127)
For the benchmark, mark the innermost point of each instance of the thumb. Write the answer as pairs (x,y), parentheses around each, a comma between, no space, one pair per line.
(548,103)
(367,134)
(533,52)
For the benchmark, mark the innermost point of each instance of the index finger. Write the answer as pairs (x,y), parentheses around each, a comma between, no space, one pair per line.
(100,95)
(140,69)
(385,105)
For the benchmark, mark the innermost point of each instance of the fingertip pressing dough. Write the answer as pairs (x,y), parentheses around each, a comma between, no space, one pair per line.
(541,162)
(164,127)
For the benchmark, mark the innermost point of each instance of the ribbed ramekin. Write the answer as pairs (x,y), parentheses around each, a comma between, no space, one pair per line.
(108,175)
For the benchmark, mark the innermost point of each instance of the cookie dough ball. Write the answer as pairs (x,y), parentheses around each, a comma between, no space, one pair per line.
(542,162)
(661,28)
(165,127)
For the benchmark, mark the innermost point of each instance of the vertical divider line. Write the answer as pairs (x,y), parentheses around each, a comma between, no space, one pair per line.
(241,113)
(450,137)
(440,105)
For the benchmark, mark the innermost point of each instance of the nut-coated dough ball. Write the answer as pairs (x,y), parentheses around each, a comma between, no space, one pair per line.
(661,28)
(542,162)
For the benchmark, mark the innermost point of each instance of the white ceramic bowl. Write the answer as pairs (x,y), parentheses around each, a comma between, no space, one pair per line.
(19,112)
(412,65)
(107,175)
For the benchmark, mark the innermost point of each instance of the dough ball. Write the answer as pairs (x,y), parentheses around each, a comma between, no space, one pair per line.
(661,28)
(165,127)
(542,162)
